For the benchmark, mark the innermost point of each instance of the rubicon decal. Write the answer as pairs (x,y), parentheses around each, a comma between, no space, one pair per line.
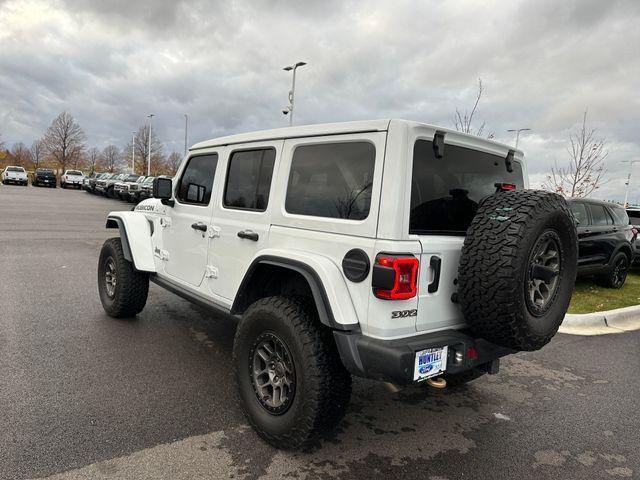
(148,208)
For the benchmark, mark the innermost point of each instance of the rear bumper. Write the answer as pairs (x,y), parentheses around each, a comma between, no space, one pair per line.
(394,360)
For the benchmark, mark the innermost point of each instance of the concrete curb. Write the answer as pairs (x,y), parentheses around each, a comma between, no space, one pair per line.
(601,323)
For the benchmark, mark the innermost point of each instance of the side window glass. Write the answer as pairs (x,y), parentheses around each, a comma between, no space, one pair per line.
(249,179)
(600,216)
(620,217)
(331,180)
(580,213)
(197,180)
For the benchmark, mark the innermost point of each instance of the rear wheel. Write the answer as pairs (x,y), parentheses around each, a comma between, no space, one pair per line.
(291,382)
(617,272)
(123,290)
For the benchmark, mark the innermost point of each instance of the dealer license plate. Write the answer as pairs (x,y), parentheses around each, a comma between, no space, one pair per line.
(430,362)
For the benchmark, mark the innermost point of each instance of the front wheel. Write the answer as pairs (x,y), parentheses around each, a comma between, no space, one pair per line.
(123,290)
(616,275)
(292,384)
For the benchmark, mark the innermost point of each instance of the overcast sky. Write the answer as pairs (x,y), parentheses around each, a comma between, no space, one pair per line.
(110,63)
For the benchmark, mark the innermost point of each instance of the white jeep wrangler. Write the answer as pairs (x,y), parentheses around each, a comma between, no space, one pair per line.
(387,249)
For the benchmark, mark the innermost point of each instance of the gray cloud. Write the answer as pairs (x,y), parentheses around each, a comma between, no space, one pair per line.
(111,63)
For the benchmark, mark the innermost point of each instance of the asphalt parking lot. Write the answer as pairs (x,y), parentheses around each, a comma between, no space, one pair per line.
(86,396)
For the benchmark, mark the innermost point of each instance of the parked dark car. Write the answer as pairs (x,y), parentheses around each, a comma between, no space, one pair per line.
(605,240)
(44,177)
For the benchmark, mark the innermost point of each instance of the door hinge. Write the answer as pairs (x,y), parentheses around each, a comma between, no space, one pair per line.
(161,254)
(165,222)
(210,272)
(213,231)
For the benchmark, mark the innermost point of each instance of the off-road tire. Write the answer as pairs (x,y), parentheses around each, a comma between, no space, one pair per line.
(496,265)
(611,278)
(132,286)
(322,384)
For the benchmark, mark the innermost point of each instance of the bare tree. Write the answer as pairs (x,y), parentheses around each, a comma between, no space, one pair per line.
(173,162)
(21,155)
(586,170)
(64,140)
(92,159)
(464,122)
(111,158)
(37,153)
(141,142)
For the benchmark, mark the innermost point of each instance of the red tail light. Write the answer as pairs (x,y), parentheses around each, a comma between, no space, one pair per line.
(395,276)
(505,186)
(472,353)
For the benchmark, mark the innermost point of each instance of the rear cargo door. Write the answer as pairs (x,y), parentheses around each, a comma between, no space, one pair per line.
(445,193)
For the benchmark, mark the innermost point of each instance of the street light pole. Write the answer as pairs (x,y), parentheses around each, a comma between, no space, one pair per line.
(626,191)
(150,116)
(289,109)
(186,126)
(518,130)
(133,152)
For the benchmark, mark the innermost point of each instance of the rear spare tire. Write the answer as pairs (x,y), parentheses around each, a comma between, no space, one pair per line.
(518,268)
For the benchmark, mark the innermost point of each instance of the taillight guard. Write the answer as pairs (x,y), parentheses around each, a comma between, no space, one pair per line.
(395,277)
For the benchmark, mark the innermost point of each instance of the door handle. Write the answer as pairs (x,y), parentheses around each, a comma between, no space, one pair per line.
(199,226)
(249,235)
(435,263)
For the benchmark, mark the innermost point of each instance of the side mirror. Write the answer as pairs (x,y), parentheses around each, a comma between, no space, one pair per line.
(163,189)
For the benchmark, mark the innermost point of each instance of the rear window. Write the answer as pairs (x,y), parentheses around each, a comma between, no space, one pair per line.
(249,179)
(74,172)
(445,192)
(15,169)
(331,180)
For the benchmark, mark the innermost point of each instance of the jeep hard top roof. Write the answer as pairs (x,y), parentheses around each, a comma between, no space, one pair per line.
(322,129)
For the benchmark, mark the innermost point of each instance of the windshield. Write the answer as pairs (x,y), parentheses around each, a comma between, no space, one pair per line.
(445,192)
(15,169)
(148,180)
(132,178)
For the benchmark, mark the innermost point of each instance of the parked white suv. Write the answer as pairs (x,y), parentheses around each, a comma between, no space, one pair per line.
(387,249)
(72,178)
(14,174)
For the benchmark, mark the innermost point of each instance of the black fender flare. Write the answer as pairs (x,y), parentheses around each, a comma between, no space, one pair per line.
(113,222)
(318,291)
(626,248)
